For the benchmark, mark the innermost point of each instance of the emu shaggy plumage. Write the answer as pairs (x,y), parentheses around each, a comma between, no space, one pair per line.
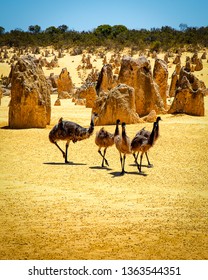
(70,131)
(123,145)
(142,144)
(142,134)
(105,139)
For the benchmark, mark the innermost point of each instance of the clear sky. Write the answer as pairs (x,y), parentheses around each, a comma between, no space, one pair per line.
(88,14)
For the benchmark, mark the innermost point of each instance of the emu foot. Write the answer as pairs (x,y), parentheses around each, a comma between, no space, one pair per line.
(142,173)
(123,172)
(106,162)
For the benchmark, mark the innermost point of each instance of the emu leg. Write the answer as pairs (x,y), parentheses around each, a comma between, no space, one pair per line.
(140,171)
(99,151)
(141,162)
(121,160)
(103,156)
(149,164)
(60,149)
(106,162)
(66,154)
(135,159)
(136,156)
(123,165)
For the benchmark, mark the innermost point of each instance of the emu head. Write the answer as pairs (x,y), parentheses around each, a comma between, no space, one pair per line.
(158,119)
(60,120)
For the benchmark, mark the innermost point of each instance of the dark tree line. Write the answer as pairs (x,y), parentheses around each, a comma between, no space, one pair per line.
(117,36)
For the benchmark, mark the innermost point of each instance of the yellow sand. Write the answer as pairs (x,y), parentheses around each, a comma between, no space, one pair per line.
(52,210)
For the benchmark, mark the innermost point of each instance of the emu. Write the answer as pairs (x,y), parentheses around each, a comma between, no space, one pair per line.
(146,134)
(143,144)
(70,131)
(105,139)
(123,145)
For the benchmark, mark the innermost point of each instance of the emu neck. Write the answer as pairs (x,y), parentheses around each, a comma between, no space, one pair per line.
(124,137)
(91,128)
(116,130)
(156,129)
(123,133)
(152,135)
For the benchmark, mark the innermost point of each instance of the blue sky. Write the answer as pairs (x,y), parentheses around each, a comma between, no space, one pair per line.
(86,15)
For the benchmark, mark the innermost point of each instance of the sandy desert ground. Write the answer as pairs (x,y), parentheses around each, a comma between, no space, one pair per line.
(53,210)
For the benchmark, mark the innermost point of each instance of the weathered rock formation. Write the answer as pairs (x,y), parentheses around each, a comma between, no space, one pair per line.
(53,80)
(43,61)
(151,117)
(137,74)
(30,104)
(57,102)
(64,95)
(64,82)
(166,56)
(204,55)
(154,54)
(115,60)
(105,60)
(106,79)
(76,51)
(193,80)
(188,66)
(88,62)
(60,54)
(194,58)
(174,80)
(119,103)
(160,75)
(199,65)
(189,95)
(177,59)
(92,76)
(173,84)
(53,63)
(78,101)
(187,100)
(87,92)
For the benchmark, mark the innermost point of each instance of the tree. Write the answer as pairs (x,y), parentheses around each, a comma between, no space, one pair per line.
(103,30)
(2,30)
(183,26)
(117,36)
(52,30)
(63,28)
(35,29)
(118,29)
